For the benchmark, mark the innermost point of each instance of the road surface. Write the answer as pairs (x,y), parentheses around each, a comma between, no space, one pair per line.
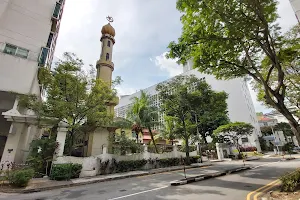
(157,186)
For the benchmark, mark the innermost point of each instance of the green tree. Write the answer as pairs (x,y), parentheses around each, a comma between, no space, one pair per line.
(228,39)
(289,55)
(285,128)
(266,130)
(72,95)
(181,98)
(211,112)
(263,144)
(234,132)
(144,115)
(168,130)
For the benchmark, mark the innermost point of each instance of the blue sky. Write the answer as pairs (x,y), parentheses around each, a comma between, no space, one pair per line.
(144,29)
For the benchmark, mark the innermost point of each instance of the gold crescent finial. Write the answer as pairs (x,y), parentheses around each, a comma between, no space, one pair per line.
(110,19)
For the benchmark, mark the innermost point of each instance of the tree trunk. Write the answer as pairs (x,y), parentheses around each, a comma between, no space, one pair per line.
(292,121)
(152,138)
(187,148)
(238,146)
(187,151)
(204,138)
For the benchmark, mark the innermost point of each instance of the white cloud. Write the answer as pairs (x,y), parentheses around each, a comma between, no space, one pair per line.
(168,65)
(125,90)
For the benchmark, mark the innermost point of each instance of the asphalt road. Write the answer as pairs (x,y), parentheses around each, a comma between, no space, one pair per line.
(230,187)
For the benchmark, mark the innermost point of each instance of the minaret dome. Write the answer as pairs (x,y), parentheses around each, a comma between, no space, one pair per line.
(108,29)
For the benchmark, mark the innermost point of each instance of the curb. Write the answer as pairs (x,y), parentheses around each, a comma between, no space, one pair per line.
(207,176)
(26,191)
(187,167)
(287,159)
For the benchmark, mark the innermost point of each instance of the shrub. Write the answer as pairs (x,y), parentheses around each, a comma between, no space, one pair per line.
(130,165)
(41,153)
(76,169)
(168,162)
(21,177)
(194,159)
(290,181)
(65,171)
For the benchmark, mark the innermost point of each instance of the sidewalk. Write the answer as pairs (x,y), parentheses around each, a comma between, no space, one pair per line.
(42,184)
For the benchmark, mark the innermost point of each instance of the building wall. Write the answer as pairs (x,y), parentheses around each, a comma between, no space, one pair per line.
(240,105)
(29,26)
(26,24)
(296,6)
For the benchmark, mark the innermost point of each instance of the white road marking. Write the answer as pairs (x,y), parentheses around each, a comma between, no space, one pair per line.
(133,194)
(265,164)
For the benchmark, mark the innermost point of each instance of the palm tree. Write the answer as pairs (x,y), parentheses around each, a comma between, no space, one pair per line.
(168,131)
(144,115)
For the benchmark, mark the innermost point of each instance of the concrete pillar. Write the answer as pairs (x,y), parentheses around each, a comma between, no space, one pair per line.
(219,151)
(61,137)
(175,151)
(12,143)
(146,154)
(145,148)
(104,150)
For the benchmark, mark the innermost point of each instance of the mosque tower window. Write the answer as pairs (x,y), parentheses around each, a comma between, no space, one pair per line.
(108,43)
(107,56)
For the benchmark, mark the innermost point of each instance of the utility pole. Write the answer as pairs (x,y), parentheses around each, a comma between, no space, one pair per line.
(275,140)
(199,146)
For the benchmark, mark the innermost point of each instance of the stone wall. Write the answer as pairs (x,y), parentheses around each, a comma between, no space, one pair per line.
(91,165)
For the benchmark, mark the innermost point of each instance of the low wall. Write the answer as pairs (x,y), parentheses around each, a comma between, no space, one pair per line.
(91,165)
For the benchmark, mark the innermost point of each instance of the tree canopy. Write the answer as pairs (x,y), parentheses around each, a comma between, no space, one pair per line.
(234,132)
(72,95)
(144,115)
(229,41)
(185,97)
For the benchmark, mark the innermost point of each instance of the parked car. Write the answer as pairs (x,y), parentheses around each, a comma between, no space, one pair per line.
(297,149)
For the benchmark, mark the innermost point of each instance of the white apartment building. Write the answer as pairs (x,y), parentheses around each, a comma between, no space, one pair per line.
(240,105)
(296,7)
(28,33)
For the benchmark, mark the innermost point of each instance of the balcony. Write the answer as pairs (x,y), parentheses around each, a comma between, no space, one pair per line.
(56,11)
(50,38)
(43,56)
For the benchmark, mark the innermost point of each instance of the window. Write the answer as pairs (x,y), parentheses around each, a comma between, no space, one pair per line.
(56,10)
(107,56)
(43,56)
(49,40)
(244,140)
(108,43)
(16,51)
(10,49)
(23,53)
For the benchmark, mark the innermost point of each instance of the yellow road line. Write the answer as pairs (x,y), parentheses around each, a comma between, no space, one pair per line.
(260,189)
(263,189)
(255,197)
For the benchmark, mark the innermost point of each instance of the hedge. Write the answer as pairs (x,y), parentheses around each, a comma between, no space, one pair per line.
(112,166)
(65,171)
